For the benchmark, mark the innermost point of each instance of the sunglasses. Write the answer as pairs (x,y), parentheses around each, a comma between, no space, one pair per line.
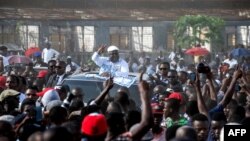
(163,68)
(28,94)
(171,76)
(58,67)
(52,66)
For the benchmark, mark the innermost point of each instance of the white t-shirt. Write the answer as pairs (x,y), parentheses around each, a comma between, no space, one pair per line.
(49,54)
(5,61)
(119,68)
(68,68)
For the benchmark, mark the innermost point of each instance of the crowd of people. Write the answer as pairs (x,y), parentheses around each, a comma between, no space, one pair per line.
(180,100)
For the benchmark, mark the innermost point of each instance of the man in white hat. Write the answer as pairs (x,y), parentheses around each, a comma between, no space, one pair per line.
(112,65)
(71,66)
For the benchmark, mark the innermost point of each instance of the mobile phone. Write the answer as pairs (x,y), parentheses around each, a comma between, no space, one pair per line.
(192,76)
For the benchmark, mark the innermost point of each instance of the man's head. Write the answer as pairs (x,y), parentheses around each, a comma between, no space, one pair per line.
(12,82)
(62,91)
(183,76)
(200,124)
(60,67)
(94,125)
(51,66)
(217,123)
(3,50)
(171,107)
(69,59)
(186,132)
(230,56)
(172,77)
(113,52)
(48,45)
(78,93)
(31,92)
(164,68)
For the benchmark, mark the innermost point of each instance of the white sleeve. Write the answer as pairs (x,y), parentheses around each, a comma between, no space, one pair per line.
(97,59)
(125,67)
(43,54)
(56,53)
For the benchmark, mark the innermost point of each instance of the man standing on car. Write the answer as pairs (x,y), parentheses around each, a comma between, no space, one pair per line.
(112,65)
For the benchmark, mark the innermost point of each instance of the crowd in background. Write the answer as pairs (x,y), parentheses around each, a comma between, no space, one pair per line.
(180,100)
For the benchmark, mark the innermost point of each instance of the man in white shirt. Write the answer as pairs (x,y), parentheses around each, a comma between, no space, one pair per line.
(112,65)
(71,66)
(232,62)
(3,54)
(49,53)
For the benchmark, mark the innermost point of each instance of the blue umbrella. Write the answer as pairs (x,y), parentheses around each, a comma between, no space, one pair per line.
(240,52)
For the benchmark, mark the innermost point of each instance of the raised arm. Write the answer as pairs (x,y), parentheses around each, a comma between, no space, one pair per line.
(201,104)
(230,91)
(105,91)
(212,93)
(139,130)
(96,56)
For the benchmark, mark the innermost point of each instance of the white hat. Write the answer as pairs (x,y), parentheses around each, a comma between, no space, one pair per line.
(112,48)
(68,57)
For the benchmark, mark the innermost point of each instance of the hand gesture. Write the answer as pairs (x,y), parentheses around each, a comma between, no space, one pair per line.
(197,82)
(109,83)
(143,85)
(237,73)
(101,49)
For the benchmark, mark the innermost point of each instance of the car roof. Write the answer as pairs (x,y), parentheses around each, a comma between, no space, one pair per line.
(85,76)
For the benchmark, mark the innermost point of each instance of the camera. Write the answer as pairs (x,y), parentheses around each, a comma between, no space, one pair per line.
(202,68)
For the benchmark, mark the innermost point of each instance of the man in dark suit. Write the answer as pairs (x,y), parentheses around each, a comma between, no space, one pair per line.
(57,78)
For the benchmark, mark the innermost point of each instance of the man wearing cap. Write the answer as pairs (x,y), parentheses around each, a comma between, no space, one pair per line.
(112,65)
(71,66)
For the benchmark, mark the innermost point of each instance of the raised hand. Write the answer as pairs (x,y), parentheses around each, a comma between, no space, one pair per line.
(197,79)
(110,83)
(101,49)
(237,73)
(143,85)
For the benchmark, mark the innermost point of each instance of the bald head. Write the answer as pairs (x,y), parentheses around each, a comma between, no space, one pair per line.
(186,132)
(159,89)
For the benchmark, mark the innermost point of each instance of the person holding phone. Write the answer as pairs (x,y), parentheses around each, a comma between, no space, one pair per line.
(112,65)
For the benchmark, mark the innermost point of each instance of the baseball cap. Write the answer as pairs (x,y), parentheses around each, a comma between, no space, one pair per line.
(42,74)
(37,54)
(177,96)
(157,108)
(2,81)
(112,48)
(94,124)
(8,93)
(44,91)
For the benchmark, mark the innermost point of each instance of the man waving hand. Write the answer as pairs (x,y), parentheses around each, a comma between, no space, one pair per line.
(112,65)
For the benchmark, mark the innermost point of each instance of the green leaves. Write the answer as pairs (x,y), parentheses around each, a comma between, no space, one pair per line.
(191,30)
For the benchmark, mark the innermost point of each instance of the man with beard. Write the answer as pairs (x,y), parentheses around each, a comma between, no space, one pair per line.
(112,65)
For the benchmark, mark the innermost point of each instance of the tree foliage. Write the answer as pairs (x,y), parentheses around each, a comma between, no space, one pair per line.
(191,30)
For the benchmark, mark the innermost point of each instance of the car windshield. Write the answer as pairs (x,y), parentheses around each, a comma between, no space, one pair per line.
(92,89)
